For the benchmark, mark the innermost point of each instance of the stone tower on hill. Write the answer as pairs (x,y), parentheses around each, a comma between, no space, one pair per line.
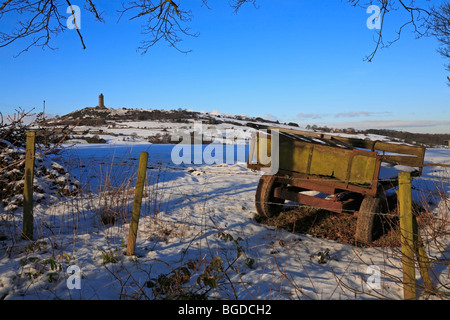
(101,101)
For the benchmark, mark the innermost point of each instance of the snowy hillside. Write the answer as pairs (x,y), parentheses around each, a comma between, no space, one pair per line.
(122,125)
(197,238)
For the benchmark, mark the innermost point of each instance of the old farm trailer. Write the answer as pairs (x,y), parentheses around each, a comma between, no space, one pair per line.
(334,173)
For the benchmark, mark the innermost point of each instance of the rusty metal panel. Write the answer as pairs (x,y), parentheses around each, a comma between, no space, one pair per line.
(284,193)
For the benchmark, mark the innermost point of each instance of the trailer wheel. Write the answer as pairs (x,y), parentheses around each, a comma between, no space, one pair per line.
(367,217)
(266,204)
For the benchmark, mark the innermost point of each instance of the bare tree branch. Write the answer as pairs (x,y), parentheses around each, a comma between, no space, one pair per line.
(91,7)
(38,21)
(77,26)
(237,4)
(441,30)
(422,22)
(166,20)
(5,4)
(383,11)
(419,19)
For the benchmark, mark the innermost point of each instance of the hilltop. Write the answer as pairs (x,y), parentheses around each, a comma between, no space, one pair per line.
(94,116)
(108,125)
(102,124)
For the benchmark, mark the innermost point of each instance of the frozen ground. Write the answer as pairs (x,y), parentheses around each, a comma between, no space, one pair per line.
(200,217)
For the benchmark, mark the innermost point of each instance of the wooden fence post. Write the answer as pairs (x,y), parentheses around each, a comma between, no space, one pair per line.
(134,223)
(411,241)
(27,229)
(407,236)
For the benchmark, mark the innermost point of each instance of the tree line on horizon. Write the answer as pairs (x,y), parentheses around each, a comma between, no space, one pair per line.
(432,139)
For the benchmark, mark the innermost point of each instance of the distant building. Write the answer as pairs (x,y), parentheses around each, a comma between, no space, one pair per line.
(101,101)
(80,132)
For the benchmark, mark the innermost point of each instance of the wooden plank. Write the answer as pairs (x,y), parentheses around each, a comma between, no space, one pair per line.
(399,148)
(404,160)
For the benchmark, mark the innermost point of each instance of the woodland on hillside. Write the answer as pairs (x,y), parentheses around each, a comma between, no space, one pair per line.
(429,139)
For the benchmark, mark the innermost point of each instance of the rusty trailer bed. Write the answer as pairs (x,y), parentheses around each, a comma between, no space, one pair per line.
(346,169)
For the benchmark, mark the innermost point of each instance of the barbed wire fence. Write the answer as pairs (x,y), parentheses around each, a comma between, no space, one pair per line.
(115,179)
(210,171)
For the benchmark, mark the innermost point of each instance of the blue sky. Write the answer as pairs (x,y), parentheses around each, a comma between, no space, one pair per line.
(291,60)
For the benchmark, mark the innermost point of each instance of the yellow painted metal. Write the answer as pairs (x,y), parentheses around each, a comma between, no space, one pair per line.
(350,166)
(363,168)
(329,162)
(263,149)
(398,153)
(294,155)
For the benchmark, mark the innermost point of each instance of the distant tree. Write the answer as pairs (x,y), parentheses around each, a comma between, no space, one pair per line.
(14,128)
(167,20)
(433,21)
(95,139)
(441,30)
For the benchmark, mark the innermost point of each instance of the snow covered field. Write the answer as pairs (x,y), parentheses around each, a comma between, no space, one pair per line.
(197,228)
